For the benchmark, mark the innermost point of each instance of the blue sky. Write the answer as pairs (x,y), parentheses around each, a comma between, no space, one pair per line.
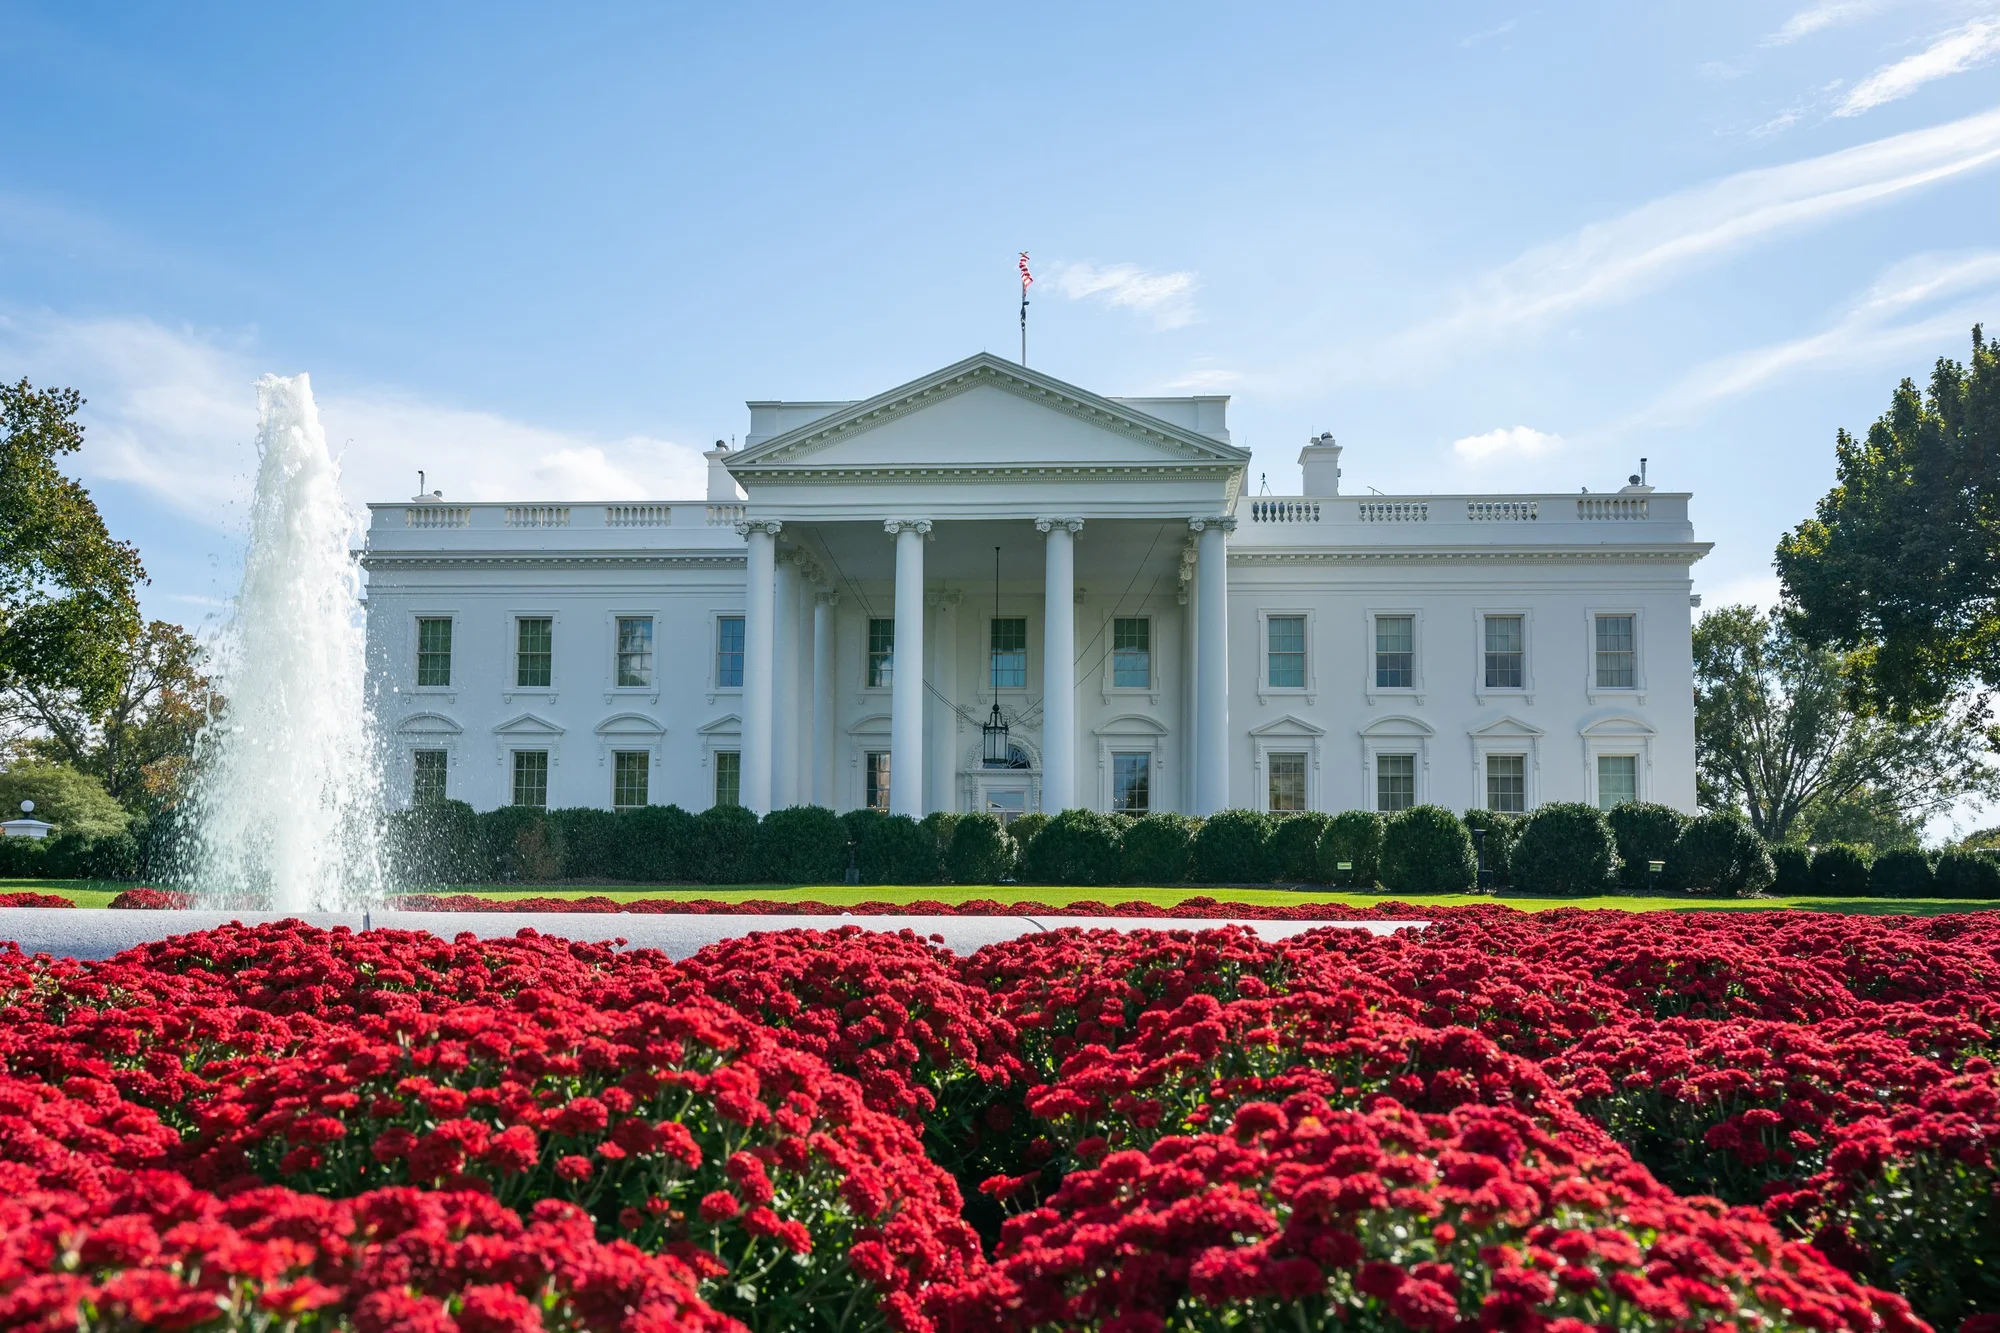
(548,251)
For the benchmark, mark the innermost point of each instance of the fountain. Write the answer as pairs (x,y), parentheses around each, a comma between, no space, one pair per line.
(287,804)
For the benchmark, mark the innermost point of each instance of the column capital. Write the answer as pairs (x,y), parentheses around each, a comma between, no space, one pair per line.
(1071,525)
(893,526)
(769,526)
(831,596)
(1226,522)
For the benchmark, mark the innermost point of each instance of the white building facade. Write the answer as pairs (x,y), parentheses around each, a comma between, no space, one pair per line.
(836,622)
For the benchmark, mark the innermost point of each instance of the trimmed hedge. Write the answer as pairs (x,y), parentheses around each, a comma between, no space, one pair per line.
(1156,849)
(1645,831)
(1967,874)
(1076,847)
(1502,833)
(981,852)
(1719,855)
(1566,850)
(1839,871)
(1232,847)
(1353,836)
(892,849)
(1426,849)
(1794,871)
(1294,845)
(806,844)
(1902,872)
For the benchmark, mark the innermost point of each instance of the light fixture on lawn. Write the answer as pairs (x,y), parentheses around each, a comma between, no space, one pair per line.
(996,750)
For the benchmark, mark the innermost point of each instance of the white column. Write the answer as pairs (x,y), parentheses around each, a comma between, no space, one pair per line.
(758,595)
(1059,664)
(824,732)
(906,686)
(785,657)
(942,766)
(1212,664)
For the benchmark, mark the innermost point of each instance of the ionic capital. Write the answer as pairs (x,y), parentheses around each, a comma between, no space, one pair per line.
(894,526)
(1225,522)
(1070,525)
(769,526)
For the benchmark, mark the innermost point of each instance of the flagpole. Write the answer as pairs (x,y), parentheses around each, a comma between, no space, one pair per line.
(1026,278)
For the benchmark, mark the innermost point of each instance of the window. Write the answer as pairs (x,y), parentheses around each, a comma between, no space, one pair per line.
(1006,806)
(1010,653)
(1617,779)
(1395,782)
(1395,652)
(1617,658)
(1131,653)
(876,795)
(531,778)
(881,654)
(1131,783)
(1288,781)
(1505,653)
(629,772)
(427,769)
(729,777)
(635,650)
(434,652)
(534,652)
(1287,669)
(1507,783)
(729,652)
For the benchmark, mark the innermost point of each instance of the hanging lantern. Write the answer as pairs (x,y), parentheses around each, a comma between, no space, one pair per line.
(996,752)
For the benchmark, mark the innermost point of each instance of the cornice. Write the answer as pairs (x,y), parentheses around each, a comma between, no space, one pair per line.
(851,473)
(600,559)
(1688,552)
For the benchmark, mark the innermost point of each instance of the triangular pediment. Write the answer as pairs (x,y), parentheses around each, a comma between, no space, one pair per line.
(1288,725)
(527,724)
(1508,726)
(984,412)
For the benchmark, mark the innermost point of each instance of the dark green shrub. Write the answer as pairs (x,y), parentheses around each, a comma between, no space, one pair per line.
(516,841)
(1645,831)
(1232,847)
(723,844)
(1353,836)
(589,839)
(1156,849)
(1076,847)
(23,858)
(1566,851)
(1295,846)
(1493,852)
(891,849)
(1024,828)
(806,844)
(1839,870)
(1901,872)
(427,845)
(981,851)
(1966,875)
(938,824)
(84,856)
(1719,855)
(1793,864)
(1426,849)
(656,845)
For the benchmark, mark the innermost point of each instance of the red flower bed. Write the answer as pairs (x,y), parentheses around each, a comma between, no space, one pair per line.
(1501,1122)
(26,898)
(1200,906)
(152,900)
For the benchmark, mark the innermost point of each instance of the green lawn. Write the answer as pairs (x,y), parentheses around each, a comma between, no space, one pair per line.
(98,894)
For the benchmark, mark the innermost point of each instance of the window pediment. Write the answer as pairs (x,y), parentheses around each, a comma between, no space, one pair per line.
(1398,724)
(630,724)
(527,724)
(1130,724)
(428,724)
(1288,725)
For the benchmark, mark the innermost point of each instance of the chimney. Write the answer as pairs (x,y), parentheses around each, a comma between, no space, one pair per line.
(722,489)
(1319,466)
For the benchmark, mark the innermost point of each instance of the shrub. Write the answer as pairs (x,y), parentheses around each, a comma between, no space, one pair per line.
(1502,832)
(1425,849)
(74,801)
(1839,870)
(1076,847)
(1566,850)
(938,825)
(656,844)
(1967,874)
(81,856)
(891,849)
(1901,872)
(1295,845)
(23,858)
(514,841)
(1156,849)
(437,842)
(1793,864)
(589,839)
(721,846)
(1024,829)
(806,844)
(1232,847)
(1645,831)
(1719,855)
(981,851)
(1353,836)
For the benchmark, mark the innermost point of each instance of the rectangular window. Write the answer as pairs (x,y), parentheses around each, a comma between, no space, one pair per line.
(434,652)
(534,652)
(1007,806)
(1617,779)
(1288,782)
(1131,653)
(1131,783)
(1507,783)
(630,770)
(635,650)
(1009,641)
(729,777)
(531,778)
(729,652)
(1617,656)
(876,764)
(427,769)
(1287,669)
(1395,652)
(1506,653)
(1395,782)
(881,654)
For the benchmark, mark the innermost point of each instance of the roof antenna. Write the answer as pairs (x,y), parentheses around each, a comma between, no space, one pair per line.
(1642,472)
(420,481)
(1263,483)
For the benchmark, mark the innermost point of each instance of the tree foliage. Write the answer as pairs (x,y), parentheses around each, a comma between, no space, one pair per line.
(1776,737)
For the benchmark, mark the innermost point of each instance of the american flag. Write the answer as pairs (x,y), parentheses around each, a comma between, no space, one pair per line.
(1027,278)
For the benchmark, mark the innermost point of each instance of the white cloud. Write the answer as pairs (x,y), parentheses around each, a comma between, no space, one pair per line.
(1827,14)
(1500,31)
(172,411)
(1506,445)
(1168,298)
(1957,51)
(1613,261)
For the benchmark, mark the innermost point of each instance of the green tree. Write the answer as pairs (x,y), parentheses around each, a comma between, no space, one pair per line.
(1900,565)
(74,802)
(1776,737)
(67,601)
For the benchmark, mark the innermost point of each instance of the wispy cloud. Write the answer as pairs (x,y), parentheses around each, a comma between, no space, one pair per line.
(1827,14)
(1166,298)
(1506,445)
(1613,261)
(172,411)
(1955,52)
(1490,33)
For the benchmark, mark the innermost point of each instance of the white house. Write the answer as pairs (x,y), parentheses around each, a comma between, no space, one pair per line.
(840,630)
